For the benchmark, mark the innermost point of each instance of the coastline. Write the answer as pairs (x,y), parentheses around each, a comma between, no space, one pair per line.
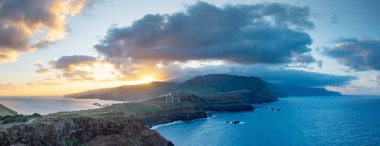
(152,114)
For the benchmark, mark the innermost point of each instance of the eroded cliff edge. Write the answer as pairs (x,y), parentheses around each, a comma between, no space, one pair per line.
(81,131)
(118,124)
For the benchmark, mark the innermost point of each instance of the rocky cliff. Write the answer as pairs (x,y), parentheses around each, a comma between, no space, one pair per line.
(118,124)
(75,131)
(225,102)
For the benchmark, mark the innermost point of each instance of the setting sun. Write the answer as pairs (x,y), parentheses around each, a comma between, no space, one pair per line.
(143,80)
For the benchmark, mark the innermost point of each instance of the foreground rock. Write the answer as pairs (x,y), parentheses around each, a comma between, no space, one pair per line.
(118,124)
(81,131)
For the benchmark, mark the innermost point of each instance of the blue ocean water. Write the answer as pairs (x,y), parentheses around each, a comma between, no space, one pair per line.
(46,105)
(302,121)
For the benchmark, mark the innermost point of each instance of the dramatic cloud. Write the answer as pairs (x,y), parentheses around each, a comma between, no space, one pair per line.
(29,24)
(74,67)
(241,34)
(65,62)
(79,67)
(358,54)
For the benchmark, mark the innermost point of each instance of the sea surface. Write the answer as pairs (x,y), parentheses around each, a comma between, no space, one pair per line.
(302,121)
(47,105)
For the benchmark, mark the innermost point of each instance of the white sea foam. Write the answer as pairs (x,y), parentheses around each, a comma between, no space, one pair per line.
(167,124)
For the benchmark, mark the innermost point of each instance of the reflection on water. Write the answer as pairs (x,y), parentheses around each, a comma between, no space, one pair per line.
(46,105)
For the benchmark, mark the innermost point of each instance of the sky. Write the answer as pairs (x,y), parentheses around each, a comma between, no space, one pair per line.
(58,47)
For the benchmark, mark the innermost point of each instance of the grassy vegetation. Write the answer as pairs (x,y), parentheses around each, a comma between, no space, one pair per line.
(132,109)
(6,111)
(18,118)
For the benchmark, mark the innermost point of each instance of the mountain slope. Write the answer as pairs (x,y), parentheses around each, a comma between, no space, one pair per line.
(304,91)
(250,89)
(128,92)
(6,111)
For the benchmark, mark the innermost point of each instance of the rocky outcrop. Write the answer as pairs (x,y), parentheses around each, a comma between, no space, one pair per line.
(186,108)
(223,103)
(81,131)
(118,124)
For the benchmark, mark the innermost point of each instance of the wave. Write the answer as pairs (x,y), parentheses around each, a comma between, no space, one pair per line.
(167,124)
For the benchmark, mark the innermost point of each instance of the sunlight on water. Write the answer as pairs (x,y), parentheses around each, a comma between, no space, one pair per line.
(46,105)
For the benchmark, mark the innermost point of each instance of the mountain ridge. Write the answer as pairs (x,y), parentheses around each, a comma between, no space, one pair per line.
(251,89)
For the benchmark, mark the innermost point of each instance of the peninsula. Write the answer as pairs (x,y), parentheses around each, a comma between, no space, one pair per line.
(129,123)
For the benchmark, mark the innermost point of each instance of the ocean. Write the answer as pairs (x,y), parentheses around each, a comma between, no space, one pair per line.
(47,105)
(319,121)
(301,121)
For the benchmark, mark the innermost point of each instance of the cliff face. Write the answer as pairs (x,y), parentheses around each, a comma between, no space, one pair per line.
(182,108)
(81,130)
(118,124)
(223,103)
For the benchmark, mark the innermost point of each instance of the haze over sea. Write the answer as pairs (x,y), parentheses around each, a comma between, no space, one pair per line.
(340,120)
(47,105)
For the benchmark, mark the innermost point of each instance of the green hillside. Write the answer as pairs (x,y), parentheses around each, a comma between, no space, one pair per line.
(6,111)
(251,89)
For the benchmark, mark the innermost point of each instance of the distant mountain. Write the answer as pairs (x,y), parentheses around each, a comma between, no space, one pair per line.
(251,89)
(305,91)
(128,92)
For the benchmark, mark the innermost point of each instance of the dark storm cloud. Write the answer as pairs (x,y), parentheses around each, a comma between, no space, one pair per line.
(244,34)
(20,20)
(277,75)
(358,54)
